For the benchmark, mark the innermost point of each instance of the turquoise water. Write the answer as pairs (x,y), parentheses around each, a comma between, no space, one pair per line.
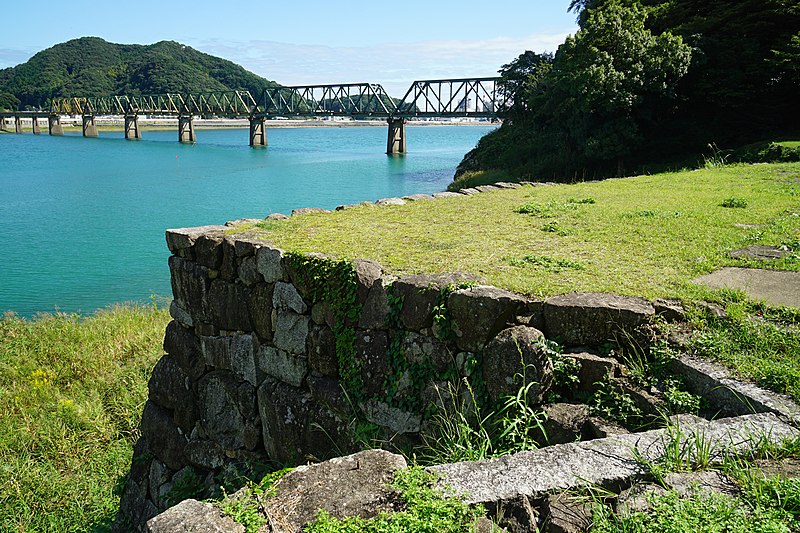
(82,220)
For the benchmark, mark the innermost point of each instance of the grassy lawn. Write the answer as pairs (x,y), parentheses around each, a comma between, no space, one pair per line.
(645,236)
(71,396)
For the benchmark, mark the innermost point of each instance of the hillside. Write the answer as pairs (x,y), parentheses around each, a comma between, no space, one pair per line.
(91,66)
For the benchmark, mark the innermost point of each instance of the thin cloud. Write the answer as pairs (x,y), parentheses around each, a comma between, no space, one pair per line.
(11,57)
(394,65)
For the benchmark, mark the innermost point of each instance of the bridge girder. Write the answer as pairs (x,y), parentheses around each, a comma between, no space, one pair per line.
(468,97)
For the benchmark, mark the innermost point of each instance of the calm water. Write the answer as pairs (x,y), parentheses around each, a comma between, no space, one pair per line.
(82,220)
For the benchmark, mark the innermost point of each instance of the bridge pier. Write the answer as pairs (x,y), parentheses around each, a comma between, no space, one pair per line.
(17,124)
(396,143)
(258,131)
(132,131)
(186,129)
(89,126)
(54,125)
(35,125)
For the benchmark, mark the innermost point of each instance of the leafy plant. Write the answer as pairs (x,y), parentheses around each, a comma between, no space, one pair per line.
(734,203)
(550,264)
(426,510)
(611,402)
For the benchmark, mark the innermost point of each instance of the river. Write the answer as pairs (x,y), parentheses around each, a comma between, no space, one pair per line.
(82,220)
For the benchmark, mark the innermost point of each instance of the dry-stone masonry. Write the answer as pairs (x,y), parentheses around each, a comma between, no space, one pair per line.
(284,358)
(275,357)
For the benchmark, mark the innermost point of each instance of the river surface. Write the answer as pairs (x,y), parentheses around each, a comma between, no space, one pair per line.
(82,220)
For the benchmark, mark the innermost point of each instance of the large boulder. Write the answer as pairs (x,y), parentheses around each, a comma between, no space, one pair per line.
(192,516)
(515,358)
(356,485)
(592,319)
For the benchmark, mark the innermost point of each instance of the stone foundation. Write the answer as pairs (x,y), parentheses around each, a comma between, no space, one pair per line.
(282,358)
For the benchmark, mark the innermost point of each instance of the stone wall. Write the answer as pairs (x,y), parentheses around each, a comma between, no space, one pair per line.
(275,357)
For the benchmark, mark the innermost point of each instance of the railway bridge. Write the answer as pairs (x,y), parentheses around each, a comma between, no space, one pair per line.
(451,98)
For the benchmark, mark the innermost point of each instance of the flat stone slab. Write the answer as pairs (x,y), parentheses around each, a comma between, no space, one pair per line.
(716,383)
(610,462)
(776,287)
(760,252)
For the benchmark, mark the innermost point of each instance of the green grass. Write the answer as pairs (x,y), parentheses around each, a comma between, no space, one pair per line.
(427,510)
(71,396)
(644,236)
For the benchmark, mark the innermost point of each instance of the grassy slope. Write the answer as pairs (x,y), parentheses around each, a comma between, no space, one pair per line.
(71,397)
(646,236)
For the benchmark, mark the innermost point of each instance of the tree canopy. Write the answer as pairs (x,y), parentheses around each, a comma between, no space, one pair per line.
(645,81)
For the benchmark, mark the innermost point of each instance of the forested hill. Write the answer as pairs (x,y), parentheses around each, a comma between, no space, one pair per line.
(91,66)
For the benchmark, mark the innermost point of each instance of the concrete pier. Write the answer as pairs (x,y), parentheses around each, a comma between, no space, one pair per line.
(17,124)
(186,129)
(132,131)
(396,143)
(258,131)
(35,125)
(89,126)
(54,125)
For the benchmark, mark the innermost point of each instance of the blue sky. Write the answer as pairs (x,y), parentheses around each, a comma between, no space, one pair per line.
(308,41)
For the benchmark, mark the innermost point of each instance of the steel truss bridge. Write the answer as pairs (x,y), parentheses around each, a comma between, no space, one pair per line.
(473,97)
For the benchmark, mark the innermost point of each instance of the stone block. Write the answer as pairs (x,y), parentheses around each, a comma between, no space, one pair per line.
(565,513)
(295,425)
(478,313)
(260,307)
(291,332)
(205,454)
(168,385)
(192,515)
(371,346)
(356,485)
(321,351)
(286,298)
(421,348)
(184,238)
(511,353)
(180,314)
(163,437)
(236,353)
(248,271)
(286,367)
(396,420)
(420,293)
(375,310)
(245,246)
(328,391)
(269,262)
(670,310)
(367,273)
(184,347)
(208,250)
(564,422)
(220,416)
(190,286)
(594,369)
(592,319)
(321,314)
(229,267)
(227,304)
(611,462)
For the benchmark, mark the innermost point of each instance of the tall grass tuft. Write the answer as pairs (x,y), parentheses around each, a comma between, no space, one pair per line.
(71,395)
